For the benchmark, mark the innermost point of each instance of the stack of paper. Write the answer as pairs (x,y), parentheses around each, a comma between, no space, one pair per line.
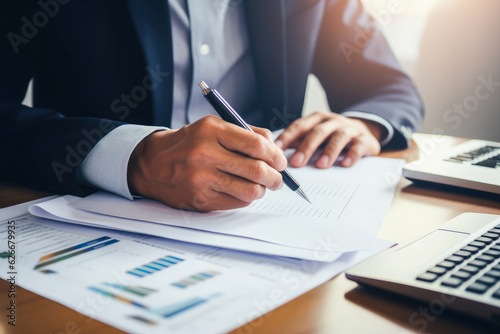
(120,270)
(146,284)
(348,208)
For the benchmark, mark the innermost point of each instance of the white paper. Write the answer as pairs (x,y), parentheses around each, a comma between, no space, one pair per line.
(59,209)
(346,202)
(87,269)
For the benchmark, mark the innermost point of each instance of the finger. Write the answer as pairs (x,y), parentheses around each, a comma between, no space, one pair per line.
(256,171)
(354,153)
(295,144)
(337,142)
(216,190)
(312,141)
(228,202)
(216,201)
(203,195)
(220,158)
(298,129)
(238,188)
(263,132)
(253,145)
(360,147)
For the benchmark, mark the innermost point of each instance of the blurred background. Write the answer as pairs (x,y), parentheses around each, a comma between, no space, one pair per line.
(451,48)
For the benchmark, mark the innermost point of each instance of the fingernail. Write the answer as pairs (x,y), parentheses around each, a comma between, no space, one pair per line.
(347,161)
(298,158)
(279,143)
(323,161)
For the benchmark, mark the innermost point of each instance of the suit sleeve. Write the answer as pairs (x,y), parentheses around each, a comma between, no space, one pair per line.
(38,147)
(360,73)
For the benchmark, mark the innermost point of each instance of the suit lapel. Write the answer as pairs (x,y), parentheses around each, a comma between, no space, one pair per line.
(152,22)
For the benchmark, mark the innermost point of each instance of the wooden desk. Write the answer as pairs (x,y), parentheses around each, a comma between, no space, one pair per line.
(339,305)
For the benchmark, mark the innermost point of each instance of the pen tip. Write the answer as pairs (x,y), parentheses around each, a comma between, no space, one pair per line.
(303,195)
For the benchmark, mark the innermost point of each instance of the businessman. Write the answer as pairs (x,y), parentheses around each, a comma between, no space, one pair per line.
(116,104)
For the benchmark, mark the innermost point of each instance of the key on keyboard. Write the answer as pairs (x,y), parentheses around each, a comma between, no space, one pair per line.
(476,266)
(491,162)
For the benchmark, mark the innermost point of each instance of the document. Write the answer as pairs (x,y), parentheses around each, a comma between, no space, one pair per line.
(59,209)
(145,284)
(348,203)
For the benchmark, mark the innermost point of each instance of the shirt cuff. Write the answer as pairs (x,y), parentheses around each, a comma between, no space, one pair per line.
(374,118)
(105,167)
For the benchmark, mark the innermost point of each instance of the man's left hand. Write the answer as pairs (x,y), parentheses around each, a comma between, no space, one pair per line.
(334,133)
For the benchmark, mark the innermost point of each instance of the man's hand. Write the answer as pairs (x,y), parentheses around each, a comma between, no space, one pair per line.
(205,166)
(336,132)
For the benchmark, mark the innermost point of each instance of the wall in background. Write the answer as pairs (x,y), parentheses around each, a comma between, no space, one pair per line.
(458,70)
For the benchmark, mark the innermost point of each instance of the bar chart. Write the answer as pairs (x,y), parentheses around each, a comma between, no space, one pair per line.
(72,248)
(176,308)
(195,279)
(117,297)
(155,266)
(69,253)
(135,289)
(166,311)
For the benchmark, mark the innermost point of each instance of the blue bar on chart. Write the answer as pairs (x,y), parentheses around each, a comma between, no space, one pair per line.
(196,278)
(143,319)
(72,248)
(117,297)
(166,311)
(176,308)
(135,289)
(71,255)
(155,266)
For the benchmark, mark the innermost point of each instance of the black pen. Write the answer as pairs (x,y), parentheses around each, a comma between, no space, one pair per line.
(228,114)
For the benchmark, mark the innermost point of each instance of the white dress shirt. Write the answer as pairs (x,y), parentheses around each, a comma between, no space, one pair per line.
(210,43)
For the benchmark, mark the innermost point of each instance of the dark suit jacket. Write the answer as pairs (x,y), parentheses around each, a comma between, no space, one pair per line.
(88,63)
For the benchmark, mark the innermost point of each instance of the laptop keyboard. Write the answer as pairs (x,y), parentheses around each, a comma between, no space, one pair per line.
(474,268)
(492,162)
(483,156)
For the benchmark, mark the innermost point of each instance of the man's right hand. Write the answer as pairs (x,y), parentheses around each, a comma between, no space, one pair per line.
(205,166)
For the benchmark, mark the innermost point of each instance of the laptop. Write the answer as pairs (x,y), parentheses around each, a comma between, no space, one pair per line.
(456,266)
(474,164)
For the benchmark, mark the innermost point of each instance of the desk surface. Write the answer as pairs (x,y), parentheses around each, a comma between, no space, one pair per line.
(337,306)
